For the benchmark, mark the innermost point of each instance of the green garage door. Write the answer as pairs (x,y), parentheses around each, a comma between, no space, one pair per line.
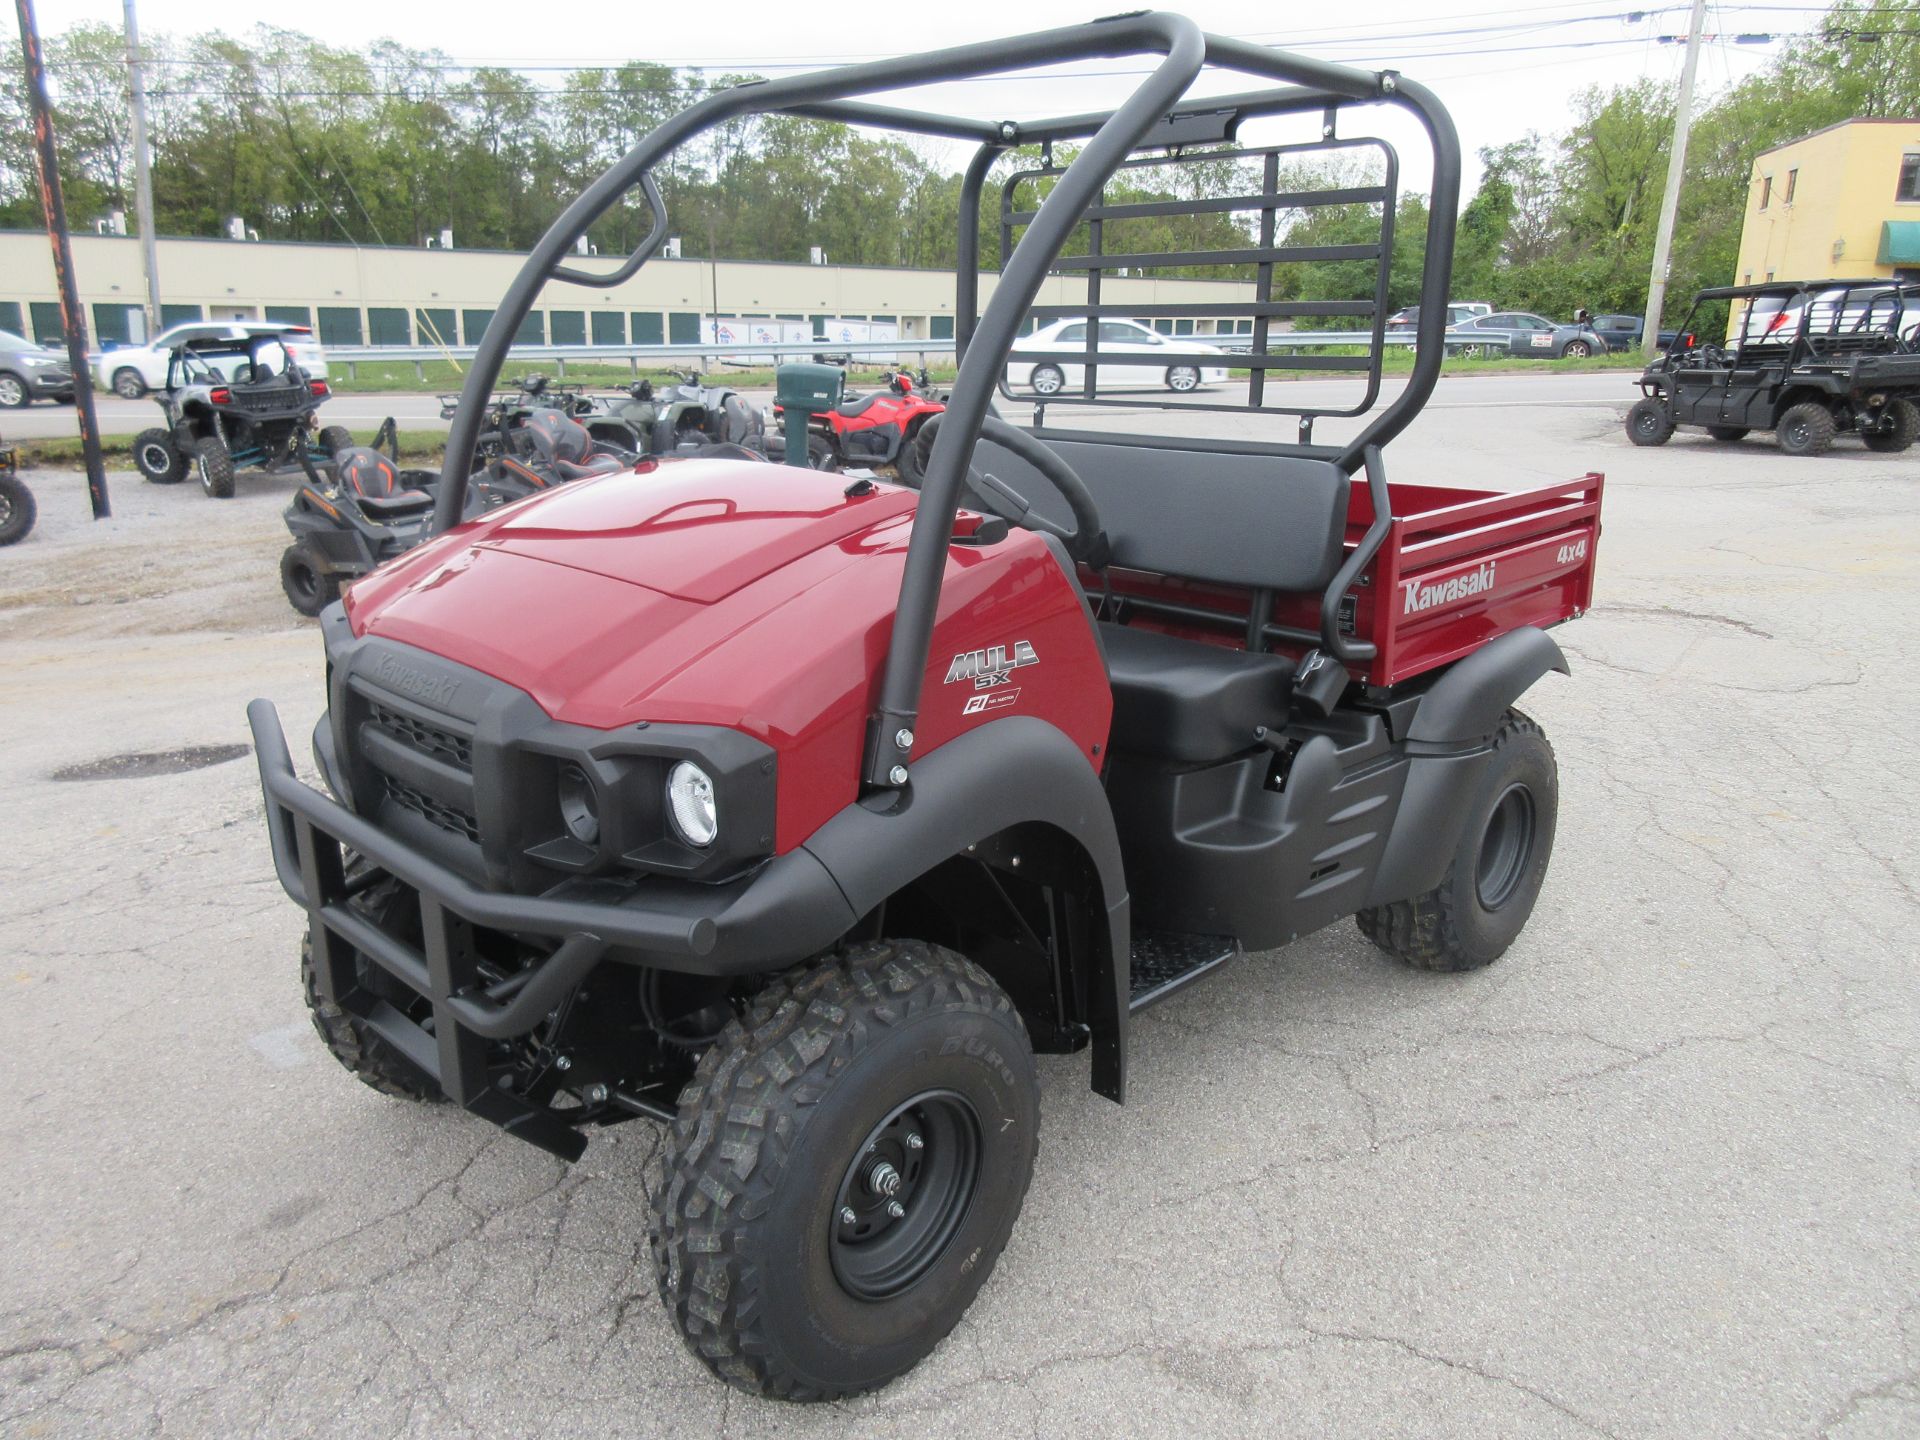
(437,326)
(10,320)
(532,331)
(387,326)
(569,326)
(291,315)
(473,325)
(647,328)
(171,315)
(47,326)
(609,327)
(942,327)
(110,323)
(683,328)
(339,325)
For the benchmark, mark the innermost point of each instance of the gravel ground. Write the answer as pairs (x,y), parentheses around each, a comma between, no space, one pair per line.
(1653,1174)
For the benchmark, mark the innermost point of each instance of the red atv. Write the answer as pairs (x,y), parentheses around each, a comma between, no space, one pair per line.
(876,429)
(794,813)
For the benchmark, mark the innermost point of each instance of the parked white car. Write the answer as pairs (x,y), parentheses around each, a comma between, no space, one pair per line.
(130,371)
(1129,354)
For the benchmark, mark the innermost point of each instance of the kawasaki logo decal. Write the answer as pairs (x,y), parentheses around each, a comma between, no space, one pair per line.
(428,689)
(987,668)
(1424,594)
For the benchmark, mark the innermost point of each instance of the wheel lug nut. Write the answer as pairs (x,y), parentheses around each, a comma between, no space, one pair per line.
(896,1209)
(847,1217)
(914,1142)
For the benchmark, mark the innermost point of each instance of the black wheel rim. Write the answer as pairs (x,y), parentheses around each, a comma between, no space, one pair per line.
(155,461)
(1505,848)
(905,1195)
(1649,422)
(1797,433)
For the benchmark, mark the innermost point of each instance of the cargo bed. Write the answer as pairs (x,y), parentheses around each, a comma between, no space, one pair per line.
(1457,568)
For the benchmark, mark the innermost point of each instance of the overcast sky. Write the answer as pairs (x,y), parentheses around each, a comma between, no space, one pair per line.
(1501,69)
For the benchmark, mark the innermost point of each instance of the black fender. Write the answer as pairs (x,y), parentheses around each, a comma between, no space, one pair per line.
(1010,772)
(1448,738)
(1467,701)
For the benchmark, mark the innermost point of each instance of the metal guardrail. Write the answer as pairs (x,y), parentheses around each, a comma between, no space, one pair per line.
(418,355)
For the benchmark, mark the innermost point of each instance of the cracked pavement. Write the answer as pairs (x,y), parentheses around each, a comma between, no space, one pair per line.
(1653,1174)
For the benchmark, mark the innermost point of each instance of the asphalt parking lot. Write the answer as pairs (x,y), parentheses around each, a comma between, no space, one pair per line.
(1656,1173)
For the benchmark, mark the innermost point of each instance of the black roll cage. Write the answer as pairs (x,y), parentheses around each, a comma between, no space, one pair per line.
(1156,114)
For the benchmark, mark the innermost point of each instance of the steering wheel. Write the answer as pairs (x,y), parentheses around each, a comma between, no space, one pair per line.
(1085,542)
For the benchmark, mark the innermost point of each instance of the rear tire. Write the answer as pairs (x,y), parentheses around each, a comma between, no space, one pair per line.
(127,383)
(1806,429)
(805,1112)
(1728,434)
(1906,429)
(215,463)
(1470,918)
(1047,380)
(1576,350)
(17,510)
(1649,422)
(310,589)
(158,458)
(1182,379)
(335,438)
(906,463)
(820,453)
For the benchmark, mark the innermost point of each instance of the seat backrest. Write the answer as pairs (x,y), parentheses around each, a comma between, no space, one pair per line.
(1277,521)
(368,472)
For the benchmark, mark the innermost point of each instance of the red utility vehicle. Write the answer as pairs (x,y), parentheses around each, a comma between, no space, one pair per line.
(875,429)
(796,811)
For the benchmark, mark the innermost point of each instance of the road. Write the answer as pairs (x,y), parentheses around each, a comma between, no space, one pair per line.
(422,412)
(1652,1174)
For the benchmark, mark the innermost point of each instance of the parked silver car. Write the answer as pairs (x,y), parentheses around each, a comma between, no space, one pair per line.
(1516,332)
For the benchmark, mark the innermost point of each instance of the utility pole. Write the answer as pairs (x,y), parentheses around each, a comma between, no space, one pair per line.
(143,174)
(72,318)
(1676,168)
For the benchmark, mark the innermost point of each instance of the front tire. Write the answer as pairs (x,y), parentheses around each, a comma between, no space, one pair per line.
(156,457)
(127,383)
(1182,379)
(1047,380)
(1649,422)
(310,589)
(906,463)
(1806,429)
(1576,350)
(895,1074)
(17,510)
(334,439)
(357,1047)
(214,462)
(820,453)
(1479,908)
(14,394)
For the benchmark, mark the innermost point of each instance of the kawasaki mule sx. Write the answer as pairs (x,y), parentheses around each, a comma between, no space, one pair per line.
(795,811)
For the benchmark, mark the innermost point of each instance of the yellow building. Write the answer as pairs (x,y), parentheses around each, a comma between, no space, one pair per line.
(1842,203)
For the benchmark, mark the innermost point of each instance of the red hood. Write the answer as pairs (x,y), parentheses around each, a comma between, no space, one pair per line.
(697,530)
(595,596)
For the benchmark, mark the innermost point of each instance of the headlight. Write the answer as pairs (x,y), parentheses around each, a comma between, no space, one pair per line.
(33,362)
(696,815)
(579,805)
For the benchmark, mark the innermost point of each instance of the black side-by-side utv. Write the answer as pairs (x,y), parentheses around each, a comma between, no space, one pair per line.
(794,811)
(1808,360)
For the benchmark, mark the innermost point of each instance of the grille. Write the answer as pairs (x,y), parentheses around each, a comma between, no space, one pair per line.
(459,822)
(448,745)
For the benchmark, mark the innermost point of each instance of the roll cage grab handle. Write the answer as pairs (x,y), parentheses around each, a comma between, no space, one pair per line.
(1307,85)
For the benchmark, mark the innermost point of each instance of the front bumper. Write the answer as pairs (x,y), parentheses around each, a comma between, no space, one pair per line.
(787,909)
(42,385)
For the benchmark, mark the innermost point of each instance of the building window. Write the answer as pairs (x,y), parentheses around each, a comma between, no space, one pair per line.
(1793,179)
(1909,179)
(1766,191)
